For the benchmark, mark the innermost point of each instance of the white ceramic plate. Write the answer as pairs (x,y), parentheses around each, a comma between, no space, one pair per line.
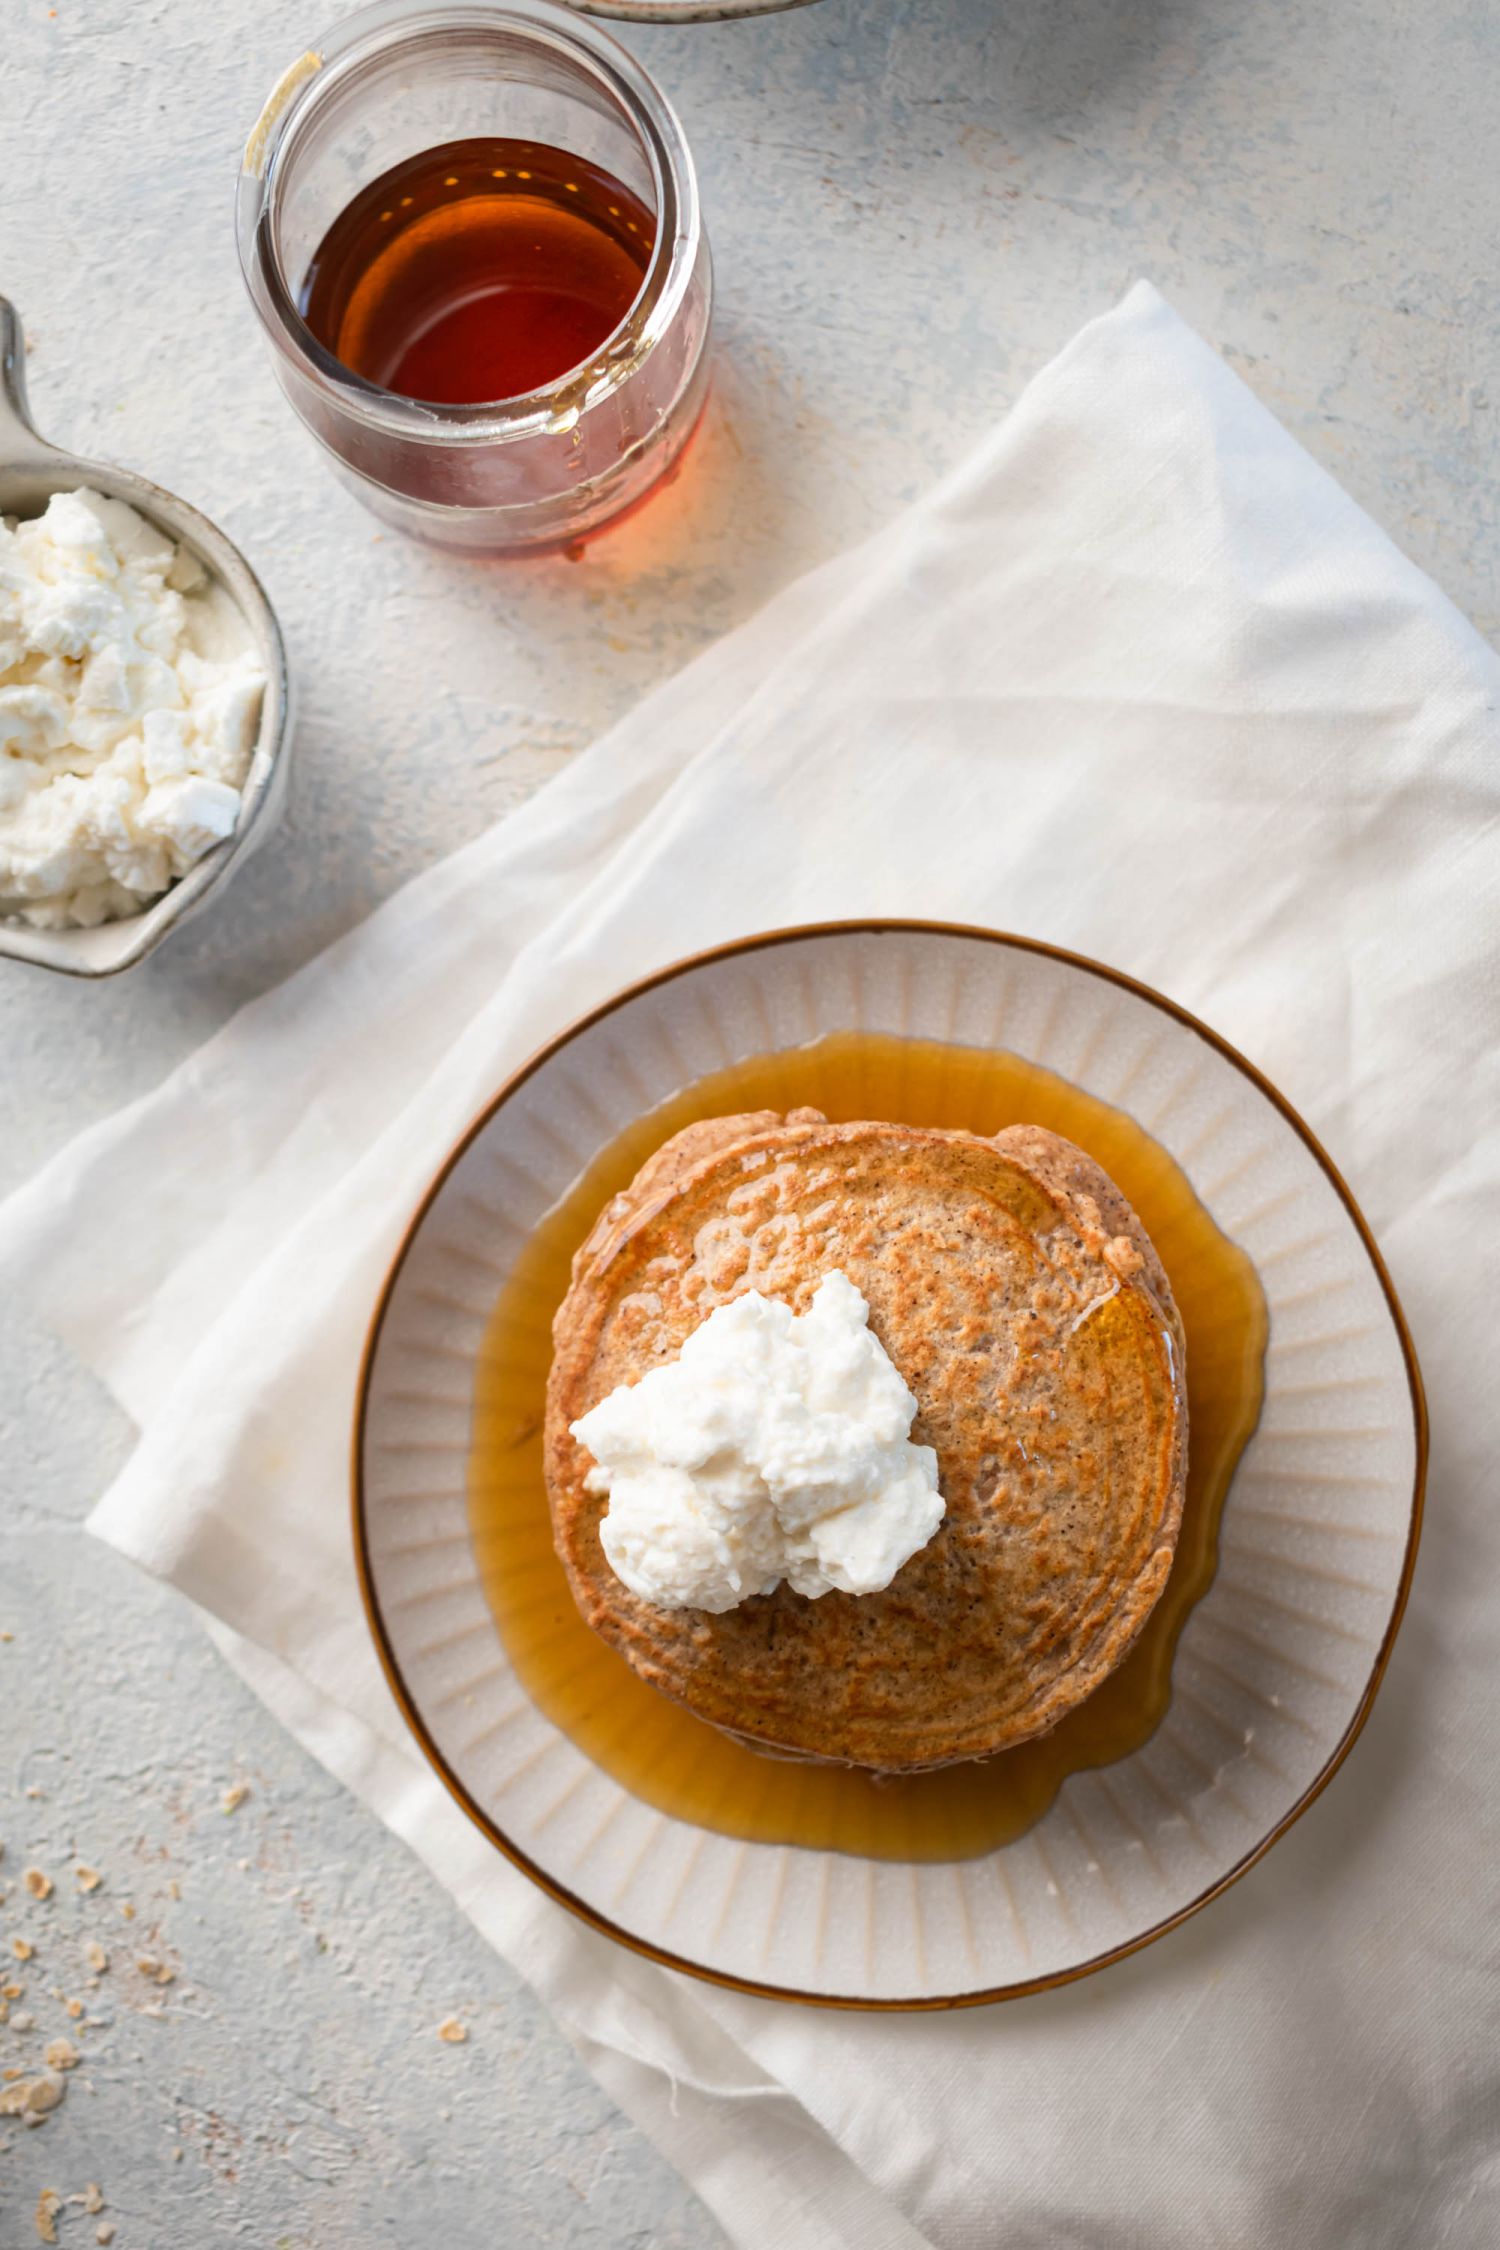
(1277,1666)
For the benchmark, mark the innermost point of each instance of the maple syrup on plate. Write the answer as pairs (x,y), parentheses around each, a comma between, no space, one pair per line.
(478,272)
(677,1762)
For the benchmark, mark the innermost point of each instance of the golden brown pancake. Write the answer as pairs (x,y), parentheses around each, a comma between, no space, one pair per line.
(1023,1304)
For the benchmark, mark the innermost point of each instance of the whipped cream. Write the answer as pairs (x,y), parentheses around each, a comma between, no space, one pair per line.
(129,700)
(773,1447)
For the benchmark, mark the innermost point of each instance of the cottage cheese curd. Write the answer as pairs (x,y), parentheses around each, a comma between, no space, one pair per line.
(773,1447)
(129,700)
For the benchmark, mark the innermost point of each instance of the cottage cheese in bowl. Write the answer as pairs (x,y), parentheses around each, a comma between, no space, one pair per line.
(130,696)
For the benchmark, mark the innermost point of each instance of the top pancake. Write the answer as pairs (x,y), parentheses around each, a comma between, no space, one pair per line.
(1023,1304)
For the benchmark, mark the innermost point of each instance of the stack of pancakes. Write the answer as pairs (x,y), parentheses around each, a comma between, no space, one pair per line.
(1020,1298)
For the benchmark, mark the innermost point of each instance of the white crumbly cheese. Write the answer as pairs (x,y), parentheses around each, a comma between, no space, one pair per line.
(772,1447)
(129,700)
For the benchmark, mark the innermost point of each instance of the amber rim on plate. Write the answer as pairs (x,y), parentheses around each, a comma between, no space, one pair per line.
(1018,1989)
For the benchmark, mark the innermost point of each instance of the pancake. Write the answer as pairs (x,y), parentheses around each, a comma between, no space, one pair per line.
(1022,1302)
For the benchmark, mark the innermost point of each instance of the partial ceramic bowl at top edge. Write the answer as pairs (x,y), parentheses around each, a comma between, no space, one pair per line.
(683,11)
(31,470)
(1276,1667)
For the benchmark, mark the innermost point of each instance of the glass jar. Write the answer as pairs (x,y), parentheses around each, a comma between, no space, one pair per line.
(396,79)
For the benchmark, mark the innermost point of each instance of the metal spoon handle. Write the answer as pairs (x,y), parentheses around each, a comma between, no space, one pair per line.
(21,442)
(13,407)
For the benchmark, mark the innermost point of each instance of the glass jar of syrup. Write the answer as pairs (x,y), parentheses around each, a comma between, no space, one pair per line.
(471,234)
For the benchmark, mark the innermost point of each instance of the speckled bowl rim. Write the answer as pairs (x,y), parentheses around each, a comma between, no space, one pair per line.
(384,1647)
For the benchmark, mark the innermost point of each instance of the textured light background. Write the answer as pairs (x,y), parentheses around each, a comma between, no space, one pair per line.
(912,205)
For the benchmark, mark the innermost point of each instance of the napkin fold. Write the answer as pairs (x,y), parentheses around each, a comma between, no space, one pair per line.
(1138,679)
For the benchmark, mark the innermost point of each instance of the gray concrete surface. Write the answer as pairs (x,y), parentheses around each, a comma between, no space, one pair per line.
(913,203)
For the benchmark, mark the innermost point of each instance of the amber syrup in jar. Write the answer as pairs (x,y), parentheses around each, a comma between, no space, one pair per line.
(478,271)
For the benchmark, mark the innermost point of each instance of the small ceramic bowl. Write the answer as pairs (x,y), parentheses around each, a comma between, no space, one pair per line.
(31,470)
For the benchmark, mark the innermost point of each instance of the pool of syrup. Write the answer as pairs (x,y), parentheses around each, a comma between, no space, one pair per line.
(677,1762)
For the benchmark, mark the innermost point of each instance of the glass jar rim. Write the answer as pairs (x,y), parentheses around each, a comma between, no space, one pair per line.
(374,33)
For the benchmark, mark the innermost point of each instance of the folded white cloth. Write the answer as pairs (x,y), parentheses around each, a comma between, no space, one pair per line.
(1139,679)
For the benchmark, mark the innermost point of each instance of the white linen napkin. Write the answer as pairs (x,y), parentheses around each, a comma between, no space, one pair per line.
(1139,679)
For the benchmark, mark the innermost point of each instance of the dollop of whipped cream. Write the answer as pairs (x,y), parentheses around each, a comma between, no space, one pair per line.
(773,1447)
